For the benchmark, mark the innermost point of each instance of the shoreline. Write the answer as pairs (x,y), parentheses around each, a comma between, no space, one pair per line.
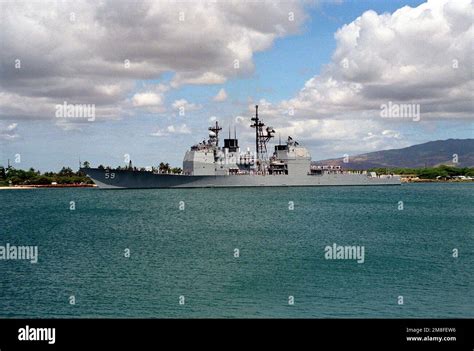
(16,187)
(61,186)
(435,181)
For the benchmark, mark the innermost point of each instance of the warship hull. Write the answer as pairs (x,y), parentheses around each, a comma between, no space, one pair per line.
(130,179)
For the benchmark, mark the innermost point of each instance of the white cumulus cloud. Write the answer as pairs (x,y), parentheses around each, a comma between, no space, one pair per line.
(9,132)
(417,55)
(221,96)
(183,106)
(147,99)
(94,52)
(172,130)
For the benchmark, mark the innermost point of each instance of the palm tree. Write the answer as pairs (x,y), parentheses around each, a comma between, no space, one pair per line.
(164,167)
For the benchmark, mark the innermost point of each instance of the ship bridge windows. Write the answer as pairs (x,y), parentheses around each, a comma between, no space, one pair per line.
(278,168)
(281,147)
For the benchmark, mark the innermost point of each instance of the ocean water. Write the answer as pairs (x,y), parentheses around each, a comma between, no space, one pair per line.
(190,252)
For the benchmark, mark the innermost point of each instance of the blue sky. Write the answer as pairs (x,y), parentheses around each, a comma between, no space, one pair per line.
(280,71)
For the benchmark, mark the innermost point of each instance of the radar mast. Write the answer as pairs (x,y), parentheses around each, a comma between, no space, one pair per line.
(262,136)
(216,129)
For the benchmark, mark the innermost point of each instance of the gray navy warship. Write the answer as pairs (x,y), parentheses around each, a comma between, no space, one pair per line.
(208,165)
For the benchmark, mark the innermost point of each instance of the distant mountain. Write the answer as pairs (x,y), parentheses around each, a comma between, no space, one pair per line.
(430,154)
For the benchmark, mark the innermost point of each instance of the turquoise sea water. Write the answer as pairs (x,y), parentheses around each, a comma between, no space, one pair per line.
(190,252)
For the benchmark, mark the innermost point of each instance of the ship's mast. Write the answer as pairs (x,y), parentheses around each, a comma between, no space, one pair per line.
(261,137)
(216,129)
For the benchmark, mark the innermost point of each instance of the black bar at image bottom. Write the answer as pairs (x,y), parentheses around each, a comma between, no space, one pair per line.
(52,334)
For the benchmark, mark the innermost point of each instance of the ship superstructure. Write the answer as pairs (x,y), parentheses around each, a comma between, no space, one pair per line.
(208,158)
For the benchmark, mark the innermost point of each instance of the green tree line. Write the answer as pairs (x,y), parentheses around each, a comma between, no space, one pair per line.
(162,168)
(34,177)
(428,173)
